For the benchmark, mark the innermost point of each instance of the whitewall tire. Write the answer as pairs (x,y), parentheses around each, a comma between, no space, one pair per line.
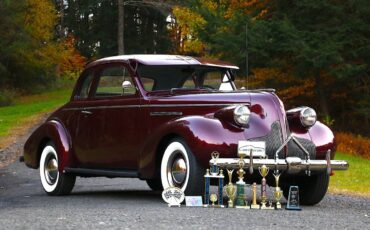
(179,168)
(54,182)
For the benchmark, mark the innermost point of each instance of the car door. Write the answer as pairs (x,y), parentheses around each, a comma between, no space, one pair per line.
(106,136)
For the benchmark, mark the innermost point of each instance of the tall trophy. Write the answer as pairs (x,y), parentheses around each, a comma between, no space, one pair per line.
(264,170)
(214,173)
(230,189)
(254,204)
(278,193)
(240,184)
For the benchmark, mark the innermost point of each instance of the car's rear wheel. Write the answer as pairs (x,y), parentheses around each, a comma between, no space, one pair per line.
(311,189)
(179,168)
(54,182)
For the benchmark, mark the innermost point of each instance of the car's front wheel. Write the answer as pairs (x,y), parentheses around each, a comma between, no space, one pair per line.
(312,189)
(54,182)
(179,168)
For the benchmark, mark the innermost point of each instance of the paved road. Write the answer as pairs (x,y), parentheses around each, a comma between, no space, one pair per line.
(100,203)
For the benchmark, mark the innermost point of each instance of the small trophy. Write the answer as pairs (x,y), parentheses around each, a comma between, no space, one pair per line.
(277,193)
(293,199)
(213,199)
(254,204)
(230,189)
(240,184)
(214,173)
(264,170)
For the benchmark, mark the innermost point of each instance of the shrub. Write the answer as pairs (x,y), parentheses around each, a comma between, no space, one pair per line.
(352,144)
(6,97)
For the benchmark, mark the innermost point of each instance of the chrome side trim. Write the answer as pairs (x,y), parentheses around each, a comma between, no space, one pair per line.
(166,114)
(147,106)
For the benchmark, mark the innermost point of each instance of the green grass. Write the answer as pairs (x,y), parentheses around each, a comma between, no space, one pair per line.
(356,180)
(28,106)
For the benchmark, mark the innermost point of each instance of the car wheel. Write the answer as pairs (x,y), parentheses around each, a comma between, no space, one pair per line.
(311,189)
(155,184)
(54,182)
(179,168)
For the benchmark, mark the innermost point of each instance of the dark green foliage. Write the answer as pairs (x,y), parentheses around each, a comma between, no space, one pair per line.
(95,24)
(326,42)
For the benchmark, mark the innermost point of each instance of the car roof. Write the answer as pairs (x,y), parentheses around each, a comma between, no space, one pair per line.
(161,59)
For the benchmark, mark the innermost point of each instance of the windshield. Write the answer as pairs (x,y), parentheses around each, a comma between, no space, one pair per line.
(170,77)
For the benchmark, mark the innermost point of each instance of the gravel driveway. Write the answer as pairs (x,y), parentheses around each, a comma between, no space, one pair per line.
(100,203)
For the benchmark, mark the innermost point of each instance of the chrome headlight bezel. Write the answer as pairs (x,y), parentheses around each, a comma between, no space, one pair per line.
(308,117)
(241,115)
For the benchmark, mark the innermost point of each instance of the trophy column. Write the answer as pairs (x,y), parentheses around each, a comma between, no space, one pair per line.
(264,170)
(240,184)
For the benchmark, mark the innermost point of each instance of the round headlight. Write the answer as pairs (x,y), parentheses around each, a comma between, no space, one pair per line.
(308,117)
(241,115)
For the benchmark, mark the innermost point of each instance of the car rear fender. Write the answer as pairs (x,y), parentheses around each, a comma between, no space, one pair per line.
(53,131)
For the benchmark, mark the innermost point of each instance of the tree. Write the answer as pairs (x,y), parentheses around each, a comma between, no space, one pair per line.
(324,45)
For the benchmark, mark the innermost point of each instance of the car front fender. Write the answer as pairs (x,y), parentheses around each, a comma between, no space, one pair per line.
(202,134)
(51,130)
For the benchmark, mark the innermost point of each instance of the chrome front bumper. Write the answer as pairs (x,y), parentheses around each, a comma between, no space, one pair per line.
(290,164)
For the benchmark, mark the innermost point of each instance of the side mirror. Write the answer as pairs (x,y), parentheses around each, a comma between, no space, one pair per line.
(126,85)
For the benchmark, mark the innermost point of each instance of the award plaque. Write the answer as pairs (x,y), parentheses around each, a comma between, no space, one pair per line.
(230,189)
(293,199)
(173,196)
(264,170)
(214,173)
(254,204)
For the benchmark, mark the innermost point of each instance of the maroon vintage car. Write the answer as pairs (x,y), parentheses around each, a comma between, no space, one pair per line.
(159,118)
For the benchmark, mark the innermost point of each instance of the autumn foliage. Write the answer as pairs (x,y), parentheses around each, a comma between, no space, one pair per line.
(354,145)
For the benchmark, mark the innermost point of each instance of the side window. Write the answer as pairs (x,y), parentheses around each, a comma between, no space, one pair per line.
(86,85)
(111,81)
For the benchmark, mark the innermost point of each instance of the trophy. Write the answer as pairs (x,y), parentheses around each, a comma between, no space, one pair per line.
(240,184)
(293,199)
(230,189)
(214,173)
(213,199)
(277,193)
(264,170)
(254,204)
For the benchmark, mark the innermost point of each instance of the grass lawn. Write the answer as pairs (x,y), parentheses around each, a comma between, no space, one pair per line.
(356,180)
(17,118)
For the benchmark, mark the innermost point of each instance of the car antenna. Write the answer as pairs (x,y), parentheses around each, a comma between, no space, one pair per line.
(247,57)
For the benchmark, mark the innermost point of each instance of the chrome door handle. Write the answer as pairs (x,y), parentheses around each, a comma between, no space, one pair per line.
(86,112)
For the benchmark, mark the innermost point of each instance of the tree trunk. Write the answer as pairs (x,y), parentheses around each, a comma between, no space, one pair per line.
(321,95)
(121,27)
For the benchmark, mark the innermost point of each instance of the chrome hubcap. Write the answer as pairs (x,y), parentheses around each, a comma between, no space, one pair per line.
(51,170)
(177,170)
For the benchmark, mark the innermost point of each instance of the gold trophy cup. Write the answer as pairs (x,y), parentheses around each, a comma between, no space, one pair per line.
(264,170)
(230,189)
(213,199)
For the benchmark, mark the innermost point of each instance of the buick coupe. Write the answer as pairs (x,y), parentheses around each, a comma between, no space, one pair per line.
(160,117)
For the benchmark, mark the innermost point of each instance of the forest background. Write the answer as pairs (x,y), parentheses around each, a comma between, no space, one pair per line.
(313,52)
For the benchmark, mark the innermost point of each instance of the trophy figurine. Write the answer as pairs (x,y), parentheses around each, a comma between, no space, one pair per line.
(240,203)
(277,193)
(230,189)
(264,170)
(254,204)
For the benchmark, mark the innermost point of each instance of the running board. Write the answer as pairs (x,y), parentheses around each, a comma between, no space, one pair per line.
(84,172)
